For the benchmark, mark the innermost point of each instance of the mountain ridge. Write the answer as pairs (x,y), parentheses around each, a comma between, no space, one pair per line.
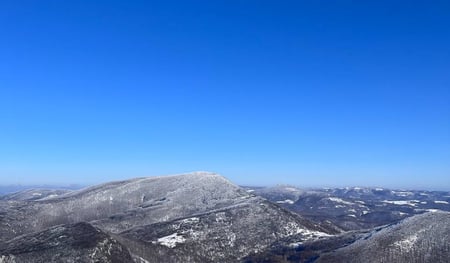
(176,217)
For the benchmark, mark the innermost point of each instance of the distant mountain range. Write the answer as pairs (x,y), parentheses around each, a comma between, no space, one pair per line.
(8,189)
(203,217)
(354,208)
(419,238)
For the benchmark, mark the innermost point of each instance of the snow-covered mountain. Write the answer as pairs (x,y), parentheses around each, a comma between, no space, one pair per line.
(355,208)
(421,238)
(417,239)
(34,194)
(193,217)
(120,205)
(221,235)
(203,217)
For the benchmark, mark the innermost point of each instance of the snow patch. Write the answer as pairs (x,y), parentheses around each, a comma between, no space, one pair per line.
(407,243)
(171,241)
(295,244)
(287,201)
(339,200)
(402,202)
(293,228)
(441,202)
(138,259)
(402,193)
(221,217)
(191,220)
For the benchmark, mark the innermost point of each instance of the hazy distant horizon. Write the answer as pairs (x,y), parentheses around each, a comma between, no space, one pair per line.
(80,185)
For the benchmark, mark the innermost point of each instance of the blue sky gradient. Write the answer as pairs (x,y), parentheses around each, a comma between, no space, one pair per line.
(310,93)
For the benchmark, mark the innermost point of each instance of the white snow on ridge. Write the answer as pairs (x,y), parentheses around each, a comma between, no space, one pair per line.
(402,193)
(191,220)
(171,241)
(309,235)
(287,201)
(441,202)
(402,202)
(293,228)
(49,197)
(339,200)
(295,244)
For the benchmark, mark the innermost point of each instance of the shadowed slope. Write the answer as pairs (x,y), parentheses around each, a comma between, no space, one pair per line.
(79,242)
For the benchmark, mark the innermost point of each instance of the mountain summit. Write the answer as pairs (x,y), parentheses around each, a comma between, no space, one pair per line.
(203,217)
(193,217)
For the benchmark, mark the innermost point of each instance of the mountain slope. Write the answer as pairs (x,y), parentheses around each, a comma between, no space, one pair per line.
(69,243)
(421,238)
(355,208)
(34,194)
(224,235)
(156,199)
(184,218)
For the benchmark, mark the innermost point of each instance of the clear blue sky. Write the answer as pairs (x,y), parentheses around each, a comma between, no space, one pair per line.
(308,93)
